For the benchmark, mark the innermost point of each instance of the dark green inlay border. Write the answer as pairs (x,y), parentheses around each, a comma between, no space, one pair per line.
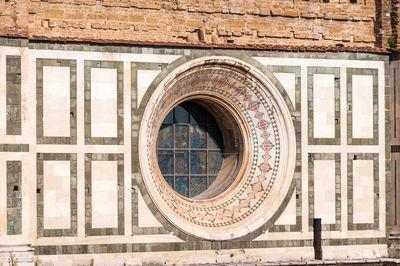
(72,158)
(13,94)
(199,245)
(14,202)
(362,156)
(135,66)
(297,176)
(40,138)
(14,147)
(89,157)
(311,190)
(362,141)
(310,95)
(119,140)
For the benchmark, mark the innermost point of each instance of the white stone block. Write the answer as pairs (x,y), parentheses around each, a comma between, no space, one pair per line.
(324,105)
(288,81)
(104,102)
(56,195)
(144,79)
(56,101)
(324,191)
(362,98)
(104,194)
(146,218)
(288,216)
(363,191)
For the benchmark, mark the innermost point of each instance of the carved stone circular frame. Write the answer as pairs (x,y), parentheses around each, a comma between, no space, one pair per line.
(268,155)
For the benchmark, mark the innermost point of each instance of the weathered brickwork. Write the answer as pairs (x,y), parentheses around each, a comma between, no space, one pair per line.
(14,17)
(237,22)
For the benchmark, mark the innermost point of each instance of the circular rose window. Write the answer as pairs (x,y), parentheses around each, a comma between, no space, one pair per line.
(194,157)
(217,148)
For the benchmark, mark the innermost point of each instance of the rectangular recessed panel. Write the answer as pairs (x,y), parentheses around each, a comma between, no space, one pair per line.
(288,81)
(56,198)
(104,102)
(362,94)
(324,191)
(363,191)
(56,101)
(324,105)
(104,194)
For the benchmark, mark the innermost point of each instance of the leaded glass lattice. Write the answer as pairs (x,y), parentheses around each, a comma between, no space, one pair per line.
(189,149)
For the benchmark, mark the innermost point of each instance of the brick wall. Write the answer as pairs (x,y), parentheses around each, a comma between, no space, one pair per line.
(14,17)
(286,22)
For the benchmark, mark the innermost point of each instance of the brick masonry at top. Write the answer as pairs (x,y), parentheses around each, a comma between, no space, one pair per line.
(238,22)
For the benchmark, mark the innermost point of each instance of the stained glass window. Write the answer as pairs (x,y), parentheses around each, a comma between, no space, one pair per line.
(189,149)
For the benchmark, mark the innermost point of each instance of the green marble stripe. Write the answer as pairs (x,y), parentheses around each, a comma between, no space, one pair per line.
(13,95)
(197,245)
(14,202)
(14,147)
(114,48)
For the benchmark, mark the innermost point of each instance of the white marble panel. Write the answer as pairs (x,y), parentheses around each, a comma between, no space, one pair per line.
(56,105)
(144,79)
(362,106)
(104,102)
(288,81)
(146,218)
(288,216)
(104,194)
(363,191)
(324,191)
(56,195)
(324,105)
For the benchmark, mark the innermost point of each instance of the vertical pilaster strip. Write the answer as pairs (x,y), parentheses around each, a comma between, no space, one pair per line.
(13,95)
(14,204)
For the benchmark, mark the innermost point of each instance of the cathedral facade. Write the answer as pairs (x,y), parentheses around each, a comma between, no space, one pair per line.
(182,133)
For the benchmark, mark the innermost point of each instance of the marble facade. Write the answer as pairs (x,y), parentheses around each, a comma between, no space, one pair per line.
(82,186)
